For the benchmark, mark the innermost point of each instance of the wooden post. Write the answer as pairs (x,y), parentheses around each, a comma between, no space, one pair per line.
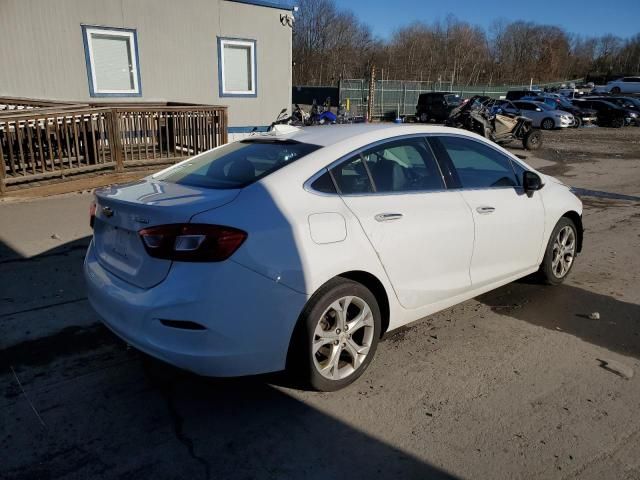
(372,91)
(3,167)
(113,134)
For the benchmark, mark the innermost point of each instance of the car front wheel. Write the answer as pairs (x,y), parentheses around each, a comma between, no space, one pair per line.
(617,123)
(339,333)
(561,252)
(548,124)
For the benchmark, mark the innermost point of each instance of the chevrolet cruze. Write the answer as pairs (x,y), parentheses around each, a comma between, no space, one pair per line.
(299,248)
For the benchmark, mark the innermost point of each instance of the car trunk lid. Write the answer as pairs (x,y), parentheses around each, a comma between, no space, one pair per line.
(122,211)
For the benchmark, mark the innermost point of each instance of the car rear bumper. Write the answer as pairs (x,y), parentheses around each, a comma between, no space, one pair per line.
(246,319)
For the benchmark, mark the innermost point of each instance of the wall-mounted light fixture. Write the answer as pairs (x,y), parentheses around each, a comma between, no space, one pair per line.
(287,20)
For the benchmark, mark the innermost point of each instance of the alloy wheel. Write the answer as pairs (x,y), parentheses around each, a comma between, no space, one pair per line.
(548,124)
(343,337)
(564,251)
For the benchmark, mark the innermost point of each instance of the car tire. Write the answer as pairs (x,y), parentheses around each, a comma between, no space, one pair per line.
(615,90)
(548,124)
(578,122)
(617,122)
(532,140)
(330,351)
(424,118)
(559,257)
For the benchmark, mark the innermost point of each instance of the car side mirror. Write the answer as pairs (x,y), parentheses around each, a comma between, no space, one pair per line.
(531,182)
(538,109)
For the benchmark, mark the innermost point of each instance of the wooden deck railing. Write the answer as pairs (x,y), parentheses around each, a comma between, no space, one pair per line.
(54,141)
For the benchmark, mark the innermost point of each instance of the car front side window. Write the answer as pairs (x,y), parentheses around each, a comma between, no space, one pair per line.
(478,165)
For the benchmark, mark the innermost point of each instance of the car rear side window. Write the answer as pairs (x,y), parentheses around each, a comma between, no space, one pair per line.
(352,177)
(403,166)
(237,164)
(478,165)
(324,183)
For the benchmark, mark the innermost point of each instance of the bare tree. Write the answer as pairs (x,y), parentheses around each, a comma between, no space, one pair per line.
(330,44)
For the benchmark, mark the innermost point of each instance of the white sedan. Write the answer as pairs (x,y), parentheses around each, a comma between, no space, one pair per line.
(622,85)
(300,249)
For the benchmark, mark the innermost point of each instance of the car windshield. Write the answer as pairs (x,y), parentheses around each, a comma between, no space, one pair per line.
(237,164)
(452,99)
(624,101)
(564,102)
(609,104)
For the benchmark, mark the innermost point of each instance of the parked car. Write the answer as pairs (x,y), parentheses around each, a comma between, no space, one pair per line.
(436,105)
(300,250)
(581,116)
(623,85)
(543,116)
(518,94)
(630,104)
(609,114)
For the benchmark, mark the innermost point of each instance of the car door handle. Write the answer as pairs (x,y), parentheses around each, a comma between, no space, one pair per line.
(387,217)
(485,210)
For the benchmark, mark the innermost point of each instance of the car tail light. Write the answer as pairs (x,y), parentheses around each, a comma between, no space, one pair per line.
(192,242)
(92,214)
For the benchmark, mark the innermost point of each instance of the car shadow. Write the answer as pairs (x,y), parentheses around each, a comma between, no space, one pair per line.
(569,308)
(78,403)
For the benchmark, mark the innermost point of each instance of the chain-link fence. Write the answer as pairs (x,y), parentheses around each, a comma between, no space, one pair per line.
(395,98)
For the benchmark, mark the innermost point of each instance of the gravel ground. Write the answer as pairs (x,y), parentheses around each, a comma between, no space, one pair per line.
(517,383)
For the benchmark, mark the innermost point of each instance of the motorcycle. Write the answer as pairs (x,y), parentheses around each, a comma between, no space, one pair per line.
(322,114)
(299,117)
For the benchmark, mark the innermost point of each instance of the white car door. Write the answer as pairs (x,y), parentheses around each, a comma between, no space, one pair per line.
(631,85)
(422,233)
(509,224)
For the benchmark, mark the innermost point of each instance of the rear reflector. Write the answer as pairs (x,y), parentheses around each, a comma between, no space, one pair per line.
(92,214)
(192,242)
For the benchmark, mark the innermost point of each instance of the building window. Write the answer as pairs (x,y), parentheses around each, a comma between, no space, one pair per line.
(237,67)
(112,61)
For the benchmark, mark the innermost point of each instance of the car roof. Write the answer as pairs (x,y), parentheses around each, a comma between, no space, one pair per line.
(325,135)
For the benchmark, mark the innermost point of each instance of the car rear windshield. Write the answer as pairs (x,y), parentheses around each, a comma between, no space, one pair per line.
(237,164)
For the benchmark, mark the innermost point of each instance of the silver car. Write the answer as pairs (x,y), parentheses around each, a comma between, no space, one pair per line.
(544,116)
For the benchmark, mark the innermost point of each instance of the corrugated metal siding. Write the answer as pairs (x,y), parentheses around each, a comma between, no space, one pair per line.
(42,54)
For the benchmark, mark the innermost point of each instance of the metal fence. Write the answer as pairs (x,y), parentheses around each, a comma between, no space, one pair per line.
(395,98)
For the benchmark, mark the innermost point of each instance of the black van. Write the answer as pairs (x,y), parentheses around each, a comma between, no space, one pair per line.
(436,105)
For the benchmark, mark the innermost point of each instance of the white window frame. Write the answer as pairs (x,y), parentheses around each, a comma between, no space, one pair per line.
(222,42)
(129,34)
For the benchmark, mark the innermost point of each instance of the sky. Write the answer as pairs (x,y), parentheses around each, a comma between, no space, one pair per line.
(584,17)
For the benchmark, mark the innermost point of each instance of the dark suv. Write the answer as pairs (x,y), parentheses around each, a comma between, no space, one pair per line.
(436,105)
(609,114)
